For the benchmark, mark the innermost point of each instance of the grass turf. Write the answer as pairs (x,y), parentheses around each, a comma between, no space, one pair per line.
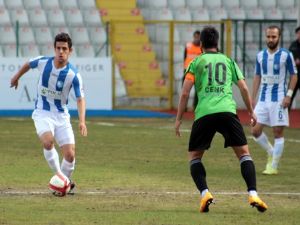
(139,170)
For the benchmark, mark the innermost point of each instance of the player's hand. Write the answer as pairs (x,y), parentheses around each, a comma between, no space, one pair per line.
(253,120)
(177,126)
(83,129)
(286,102)
(14,82)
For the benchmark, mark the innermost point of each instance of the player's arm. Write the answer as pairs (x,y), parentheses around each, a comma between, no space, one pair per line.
(256,80)
(14,82)
(184,97)
(255,87)
(81,115)
(79,93)
(293,80)
(287,99)
(247,99)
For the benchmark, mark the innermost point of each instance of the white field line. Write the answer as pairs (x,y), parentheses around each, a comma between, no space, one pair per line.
(134,193)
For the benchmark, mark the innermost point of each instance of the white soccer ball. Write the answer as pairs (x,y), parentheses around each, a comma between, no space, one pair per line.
(59,185)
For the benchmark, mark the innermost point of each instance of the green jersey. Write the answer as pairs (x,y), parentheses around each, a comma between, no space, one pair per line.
(214,74)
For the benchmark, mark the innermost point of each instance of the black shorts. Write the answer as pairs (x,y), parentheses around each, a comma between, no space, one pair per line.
(204,129)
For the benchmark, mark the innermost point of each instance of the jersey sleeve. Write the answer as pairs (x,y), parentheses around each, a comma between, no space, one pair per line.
(33,63)
(78,86)
(237,73)
(290,64)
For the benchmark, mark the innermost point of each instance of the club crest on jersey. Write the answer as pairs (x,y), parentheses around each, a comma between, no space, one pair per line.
(276,66)
(60,84)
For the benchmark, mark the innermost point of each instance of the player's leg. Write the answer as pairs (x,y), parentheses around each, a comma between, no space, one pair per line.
(45,129)
(262,113)
(248,173)
(64,136)
(234,136)
(68,162)
(261,138)
(202,133)
(198,174)
(278,147)
(279,119)
(50,152)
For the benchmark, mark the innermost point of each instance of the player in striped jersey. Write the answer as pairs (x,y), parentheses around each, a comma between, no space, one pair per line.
(51,118)
(272,65)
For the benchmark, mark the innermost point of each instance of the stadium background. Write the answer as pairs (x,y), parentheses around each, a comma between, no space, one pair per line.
(144,39)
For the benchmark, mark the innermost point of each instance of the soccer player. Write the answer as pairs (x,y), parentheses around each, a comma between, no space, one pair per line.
(213,74)
(51,118)
(274,99)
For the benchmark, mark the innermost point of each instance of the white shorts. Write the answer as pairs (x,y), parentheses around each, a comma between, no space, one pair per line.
(271,114)
(57,123)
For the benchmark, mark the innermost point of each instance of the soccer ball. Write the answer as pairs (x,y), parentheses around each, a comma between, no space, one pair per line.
(59,185)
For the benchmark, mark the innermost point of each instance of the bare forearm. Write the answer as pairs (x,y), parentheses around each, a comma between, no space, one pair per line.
(81,115)
(255,87)
(14,82)
(181,106)
(293,82)
(81,110)
(25,68)
(247,99)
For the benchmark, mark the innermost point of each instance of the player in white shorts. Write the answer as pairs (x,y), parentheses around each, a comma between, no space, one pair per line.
(272,67)
(51,118)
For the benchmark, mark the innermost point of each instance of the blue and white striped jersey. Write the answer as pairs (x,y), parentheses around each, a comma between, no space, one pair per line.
(273,68)
(54,84)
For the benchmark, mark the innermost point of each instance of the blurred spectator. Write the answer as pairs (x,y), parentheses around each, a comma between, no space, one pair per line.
(191,51)
(295,49)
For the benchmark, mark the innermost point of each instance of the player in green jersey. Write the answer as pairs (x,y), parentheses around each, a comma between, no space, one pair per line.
(213,74)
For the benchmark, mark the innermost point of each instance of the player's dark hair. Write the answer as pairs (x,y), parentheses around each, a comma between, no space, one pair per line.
(209,37)
(196,32)
(275,27)
(297,29)
(63,37)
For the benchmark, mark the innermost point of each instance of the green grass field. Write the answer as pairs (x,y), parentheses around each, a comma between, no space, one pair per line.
(135,171)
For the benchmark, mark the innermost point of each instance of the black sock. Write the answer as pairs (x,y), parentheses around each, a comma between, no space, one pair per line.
(199,174)
(248,172)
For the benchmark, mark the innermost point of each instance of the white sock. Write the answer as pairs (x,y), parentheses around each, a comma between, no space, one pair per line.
(278,150)
(263,141)
(252,193)
(67,167)
(52,158)
(204,192)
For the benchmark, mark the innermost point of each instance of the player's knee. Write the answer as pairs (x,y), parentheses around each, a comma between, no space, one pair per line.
(195,155)
(278,133)
(48,144)
(255,133)
(69,155)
